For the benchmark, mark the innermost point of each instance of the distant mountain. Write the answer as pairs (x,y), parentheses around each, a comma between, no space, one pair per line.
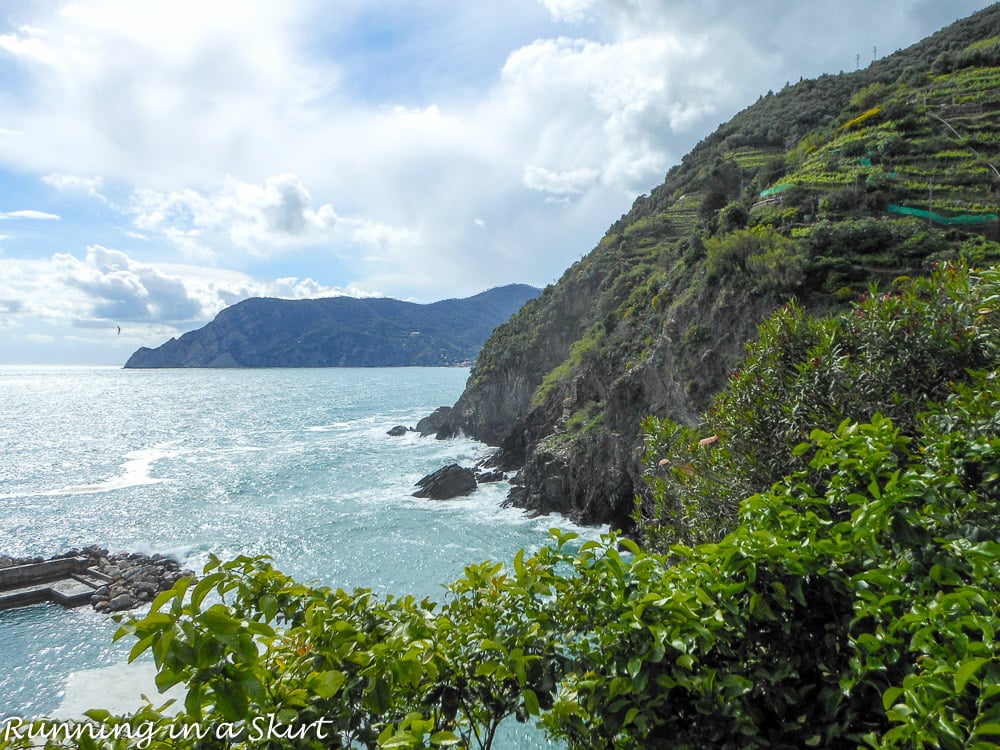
(341,332)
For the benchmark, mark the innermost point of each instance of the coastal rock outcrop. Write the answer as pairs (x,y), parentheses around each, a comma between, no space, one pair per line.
(434,422)
(447,482)
(653,319)
(121,581)
(136,578)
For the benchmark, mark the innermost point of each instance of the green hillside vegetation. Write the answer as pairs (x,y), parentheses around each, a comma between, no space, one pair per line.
(810,194)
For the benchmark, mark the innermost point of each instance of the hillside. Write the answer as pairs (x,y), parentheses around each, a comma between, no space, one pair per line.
(811,194)
(340,332)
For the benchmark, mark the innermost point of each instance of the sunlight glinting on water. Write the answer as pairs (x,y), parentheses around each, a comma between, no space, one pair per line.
(295,464)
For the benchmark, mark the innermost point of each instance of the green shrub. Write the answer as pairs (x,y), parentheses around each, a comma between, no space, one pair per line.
(892,354)
(590,415)
(768,260)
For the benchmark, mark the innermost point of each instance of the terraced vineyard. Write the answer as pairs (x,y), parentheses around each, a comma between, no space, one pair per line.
(933,148)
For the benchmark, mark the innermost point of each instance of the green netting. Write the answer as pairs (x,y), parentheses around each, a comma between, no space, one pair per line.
(962,219)
(775,190)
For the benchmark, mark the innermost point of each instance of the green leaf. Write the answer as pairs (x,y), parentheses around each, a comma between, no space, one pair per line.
(326,684)
(519,563)
(219,620)
(635,666)
(269,606)
(166,679)
(139,648)
(991,729)
(966,672)
(205,585)
(231,701)
(531,702)
(890,696)
(379,694)
(944,576)
(192,702)
(443,739)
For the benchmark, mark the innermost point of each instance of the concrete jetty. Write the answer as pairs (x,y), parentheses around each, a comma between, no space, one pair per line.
(68,581)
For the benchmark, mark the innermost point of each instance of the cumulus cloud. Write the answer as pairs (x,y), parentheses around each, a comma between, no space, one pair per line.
(569,182)
(259,218)
(119,289)
(108,286)
(569,10)
(73,183)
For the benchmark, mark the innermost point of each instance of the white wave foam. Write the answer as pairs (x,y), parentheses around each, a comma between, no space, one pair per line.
(119,689)
(135,471)
(332,427)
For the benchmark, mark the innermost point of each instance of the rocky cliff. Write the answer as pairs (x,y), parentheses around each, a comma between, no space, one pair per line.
(813,193)
(340,332)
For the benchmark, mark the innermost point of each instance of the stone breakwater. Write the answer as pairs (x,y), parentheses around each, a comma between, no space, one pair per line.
(120,581)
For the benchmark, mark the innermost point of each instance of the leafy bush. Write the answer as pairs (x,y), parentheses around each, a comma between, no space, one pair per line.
(734,216)
(891,354)
(767,259)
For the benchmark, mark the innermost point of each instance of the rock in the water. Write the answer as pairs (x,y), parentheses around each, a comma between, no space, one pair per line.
(433,422)
(447,482)
(120,602)
(490,476)
(398,431)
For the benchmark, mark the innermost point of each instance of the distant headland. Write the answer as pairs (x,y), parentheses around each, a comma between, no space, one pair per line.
(341,332)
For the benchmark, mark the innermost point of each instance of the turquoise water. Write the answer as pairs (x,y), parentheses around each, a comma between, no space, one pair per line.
(291,463)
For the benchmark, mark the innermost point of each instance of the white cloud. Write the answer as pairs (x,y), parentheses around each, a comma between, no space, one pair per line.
(259,218)
(119,289)
(570,182)
(569,10)
(108,286)
(29,45)
(73,183)
(41,338)
(29,214)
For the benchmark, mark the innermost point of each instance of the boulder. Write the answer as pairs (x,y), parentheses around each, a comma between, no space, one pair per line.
(490,476)
(447,482)
(398,431)
(120,602)
(433,422)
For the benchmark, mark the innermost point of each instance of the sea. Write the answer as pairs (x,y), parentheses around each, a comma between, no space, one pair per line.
(291,463)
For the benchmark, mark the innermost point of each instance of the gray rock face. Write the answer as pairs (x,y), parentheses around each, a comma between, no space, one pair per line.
(398,431)
(447,482)
(485,477)
(433,423)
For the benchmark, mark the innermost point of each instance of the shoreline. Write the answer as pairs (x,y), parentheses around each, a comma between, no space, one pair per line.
(109,582)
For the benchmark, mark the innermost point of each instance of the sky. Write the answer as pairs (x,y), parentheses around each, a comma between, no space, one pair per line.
(162,160)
